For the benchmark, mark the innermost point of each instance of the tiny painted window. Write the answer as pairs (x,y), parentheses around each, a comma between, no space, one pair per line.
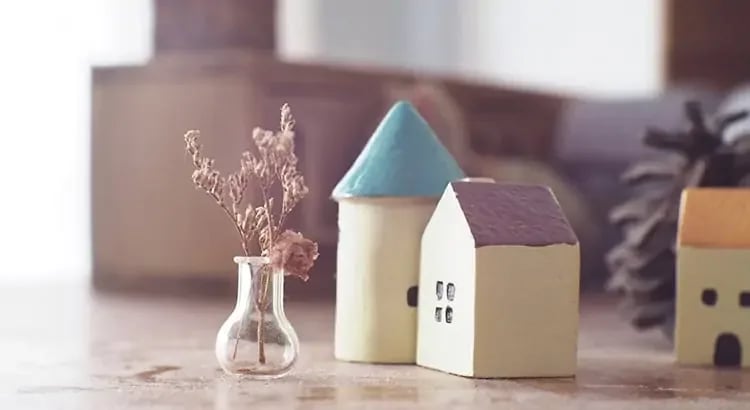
(709,297)
(451,291)
(411,296)
(438,314)
(439,290)
(745,298)
(448,314)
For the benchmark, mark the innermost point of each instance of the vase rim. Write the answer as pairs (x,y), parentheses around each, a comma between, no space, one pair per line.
(255,260)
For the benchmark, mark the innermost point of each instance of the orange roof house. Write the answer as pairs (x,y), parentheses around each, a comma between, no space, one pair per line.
(713,278)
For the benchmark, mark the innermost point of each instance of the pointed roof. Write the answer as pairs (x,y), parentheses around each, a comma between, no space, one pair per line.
(506,214)
(715,218)
(402,158)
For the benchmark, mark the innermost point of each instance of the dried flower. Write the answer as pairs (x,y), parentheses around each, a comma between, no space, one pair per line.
(273,163)
(294,253)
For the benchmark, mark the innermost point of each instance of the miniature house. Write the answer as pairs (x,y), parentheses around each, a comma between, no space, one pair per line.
(385,200)
(712,323)
(498,286)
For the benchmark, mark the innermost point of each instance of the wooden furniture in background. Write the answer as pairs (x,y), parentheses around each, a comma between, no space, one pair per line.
(184,25)
(706,42)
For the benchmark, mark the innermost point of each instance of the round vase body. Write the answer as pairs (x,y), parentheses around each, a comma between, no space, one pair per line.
(257,340)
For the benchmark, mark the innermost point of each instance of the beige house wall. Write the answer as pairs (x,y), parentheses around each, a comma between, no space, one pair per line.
(377,262)
(448,255)
(698,325)
(526,311)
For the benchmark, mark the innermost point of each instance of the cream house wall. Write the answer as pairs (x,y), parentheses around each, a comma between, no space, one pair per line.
(526,311)
(378,261)
(698,325)
(448,256)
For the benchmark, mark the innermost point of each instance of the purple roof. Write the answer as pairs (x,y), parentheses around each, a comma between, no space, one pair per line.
(505,214)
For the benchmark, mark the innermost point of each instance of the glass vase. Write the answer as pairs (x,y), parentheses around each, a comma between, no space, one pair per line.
(257,340)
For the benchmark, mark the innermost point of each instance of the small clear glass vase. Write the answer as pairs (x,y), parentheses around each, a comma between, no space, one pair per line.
(257,339)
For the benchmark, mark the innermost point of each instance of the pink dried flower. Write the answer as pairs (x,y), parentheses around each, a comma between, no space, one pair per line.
(294,253)
(273,165)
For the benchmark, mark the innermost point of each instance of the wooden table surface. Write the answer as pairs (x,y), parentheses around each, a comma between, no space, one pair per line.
(64,347)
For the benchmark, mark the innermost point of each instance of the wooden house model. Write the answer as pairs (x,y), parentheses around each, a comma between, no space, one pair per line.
(385,200)
(499,284)
(712,323)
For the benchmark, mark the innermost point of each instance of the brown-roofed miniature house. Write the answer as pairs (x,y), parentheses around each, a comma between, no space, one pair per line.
(713,277)
(498,286)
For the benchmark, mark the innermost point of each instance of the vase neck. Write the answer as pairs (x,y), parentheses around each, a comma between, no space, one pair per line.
(259,286)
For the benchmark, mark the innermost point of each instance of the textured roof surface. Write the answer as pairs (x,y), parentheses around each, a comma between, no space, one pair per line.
(402,158)
(715,218)
(505,214)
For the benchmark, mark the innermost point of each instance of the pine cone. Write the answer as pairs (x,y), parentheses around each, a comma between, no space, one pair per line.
(643,264)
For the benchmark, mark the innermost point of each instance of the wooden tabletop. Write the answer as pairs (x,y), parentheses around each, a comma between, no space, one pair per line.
(65,347)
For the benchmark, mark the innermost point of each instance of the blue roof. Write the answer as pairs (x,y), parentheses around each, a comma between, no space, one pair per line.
(402,158)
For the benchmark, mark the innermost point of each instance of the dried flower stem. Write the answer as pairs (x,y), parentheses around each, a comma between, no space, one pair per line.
(265,278)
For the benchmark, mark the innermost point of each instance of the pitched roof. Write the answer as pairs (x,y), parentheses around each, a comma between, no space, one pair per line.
(402,158)
(505,214)
(715,218)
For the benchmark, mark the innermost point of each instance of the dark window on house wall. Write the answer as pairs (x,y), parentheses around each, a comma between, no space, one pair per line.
(411,296)
(450,291)
(709,297)
(745,298)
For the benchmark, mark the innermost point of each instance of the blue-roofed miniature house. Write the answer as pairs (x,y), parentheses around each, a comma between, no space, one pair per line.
(385,201)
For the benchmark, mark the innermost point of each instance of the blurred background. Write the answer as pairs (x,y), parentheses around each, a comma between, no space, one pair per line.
(96,95)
